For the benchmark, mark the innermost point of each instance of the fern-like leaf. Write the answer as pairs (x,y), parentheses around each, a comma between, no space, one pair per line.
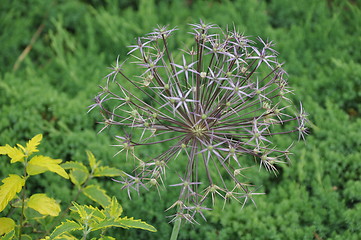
(32,145)
(16,154)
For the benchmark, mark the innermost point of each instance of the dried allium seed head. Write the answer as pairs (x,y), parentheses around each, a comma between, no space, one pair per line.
(218,107)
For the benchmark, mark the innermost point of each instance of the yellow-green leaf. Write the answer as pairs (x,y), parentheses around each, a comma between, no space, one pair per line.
(40,164)
(14,153)
(32,145)
(114,209)
(88,214)
(44,205)
(64,228)
(107,172)
(6,225)
(107,238)
(12,185)
(132,223)
(66,236)
(106,223)
(97,194)
(92,160)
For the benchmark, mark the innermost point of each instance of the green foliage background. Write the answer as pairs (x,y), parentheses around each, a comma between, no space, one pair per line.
(318,196)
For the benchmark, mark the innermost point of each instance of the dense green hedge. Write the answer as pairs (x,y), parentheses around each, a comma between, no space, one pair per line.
(316,197)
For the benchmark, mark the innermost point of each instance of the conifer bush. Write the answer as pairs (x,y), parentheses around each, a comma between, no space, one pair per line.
(54,83)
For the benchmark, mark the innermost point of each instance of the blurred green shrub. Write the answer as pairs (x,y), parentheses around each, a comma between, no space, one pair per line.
(315,197)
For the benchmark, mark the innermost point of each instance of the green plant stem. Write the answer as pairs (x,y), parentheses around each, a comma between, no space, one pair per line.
(23,202)
(176,227)
(22,212)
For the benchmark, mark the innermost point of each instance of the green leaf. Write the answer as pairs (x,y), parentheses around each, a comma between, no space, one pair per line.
(125,223)
(97,194)
(26,237)
(74,165)
(10,235)
(107,172)
(66,236)
(44,205)
(65,227)
(14,153)
(114,210)
(12,185)
(79,173)
(88,212)
(92,160)
(78,177)
(40,164)
(131,223)
(107,223)
(31,146)
(31,213)
(6,225)
(107,238)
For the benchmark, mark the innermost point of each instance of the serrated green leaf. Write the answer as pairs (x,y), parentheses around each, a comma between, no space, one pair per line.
(12,185)
(6,225)
(97,194)
(107,223)
(88,212)
(92,160)
(107,238)
(66,236)
(26,237)
(10,235)
(65,227)
(131,223)
(114,209)
(107,172)
(79,209)
(44,205)
(125,223)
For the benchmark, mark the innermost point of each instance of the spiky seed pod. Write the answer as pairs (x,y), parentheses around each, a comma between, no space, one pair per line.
(220,104)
